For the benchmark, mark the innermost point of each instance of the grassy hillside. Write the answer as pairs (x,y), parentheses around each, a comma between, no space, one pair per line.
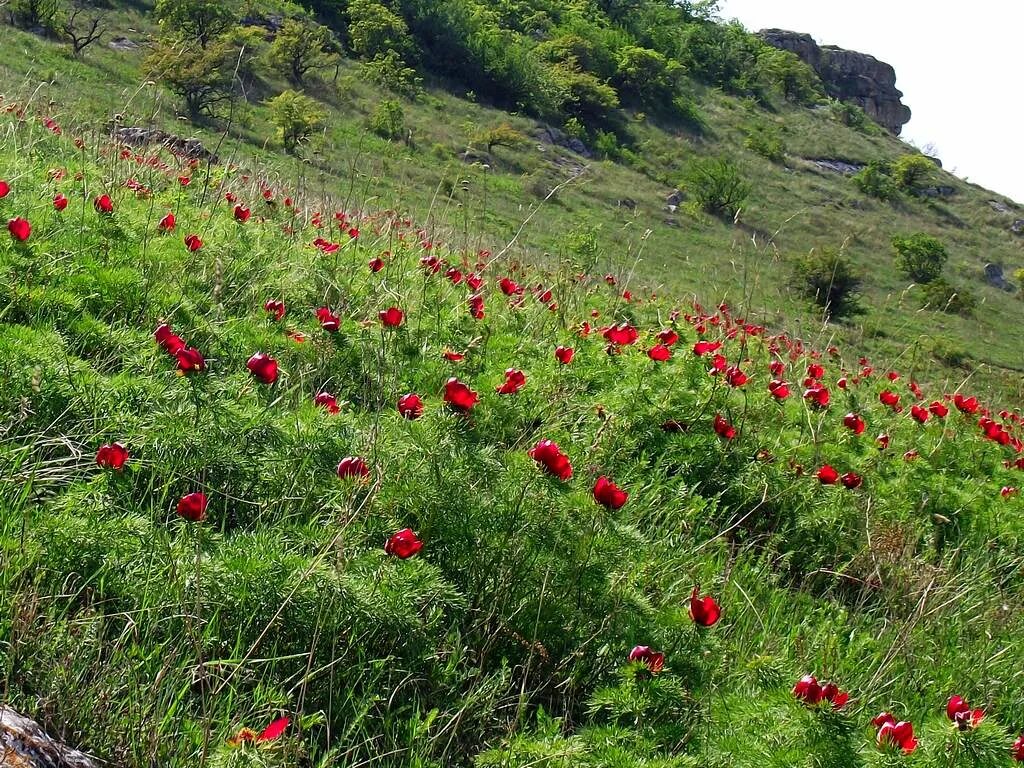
(376,456)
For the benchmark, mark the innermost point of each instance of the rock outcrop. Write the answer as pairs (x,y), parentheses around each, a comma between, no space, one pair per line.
(23,744)
(849,76)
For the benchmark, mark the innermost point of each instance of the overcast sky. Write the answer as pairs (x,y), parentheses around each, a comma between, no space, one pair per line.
(960,67)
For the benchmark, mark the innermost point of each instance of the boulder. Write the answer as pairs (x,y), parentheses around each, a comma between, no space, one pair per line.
(675,198)
(547,134)
(122,43)
(845,167)
(850,76)
(998,206)
(192,149)
(24,744)
(1017,227)
(994,275)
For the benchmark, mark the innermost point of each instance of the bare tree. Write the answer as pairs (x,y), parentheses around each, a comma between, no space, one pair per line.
(82,29)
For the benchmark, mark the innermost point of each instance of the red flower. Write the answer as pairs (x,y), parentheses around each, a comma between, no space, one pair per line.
(778,389)
(184,180)
(910,455)
(919,414)
(842,383)
(854,423)
(111,456)
(242,213)
(193,243)
(453,356)
(704,611)
(328,321)
(271,733)
(459,396)
(777,368)
(891,733)
(263,367)
(815,371)
(809,691)
(352,466)
(376,264)
(852,480)
(659,353)
(275,308)
(889,398)
(967,405)
(509,286)
(476,306)
(410,406)
(193,506)
(564,354)
(60,202)
(19,228)
(167,339)
(391,317)
(883,441)
(550,455)
(1017,750)
(167,223)
(827,475)
(735,377)
(103,204)
(608,494)
(1007,491)
(668,337)
(817,395)
(622,335)
(938,409)
(328,402)
(514,381)
(960,713)
(653,660)
(403,544)
(189,360)
(723,428)
(5,189)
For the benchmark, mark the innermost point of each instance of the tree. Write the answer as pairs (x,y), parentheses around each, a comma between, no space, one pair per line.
(388,120)
(920,257)
(501,135)
(653,78)
(785,71)
(201,76)
(81,29)
(717,184)
(375,29)
(296,117)
(33,14)
(200,20)
(912,172)
(302,46)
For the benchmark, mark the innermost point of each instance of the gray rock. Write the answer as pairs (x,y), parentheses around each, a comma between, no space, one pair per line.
(845,167)
(626,202)
(24,744)
(675,198)
(548,134)
(939,191)
(849,76)
(1017,227)
(999,207)
(141,137)
(122,43)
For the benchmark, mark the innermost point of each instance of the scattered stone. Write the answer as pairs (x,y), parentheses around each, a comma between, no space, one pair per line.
(24,744)
(845,167)
(472,156)
(122,43)
(547,134)
(1017,227)
(999,207)
(994,275)
(939,191)
(141,137)
(671,208)
(849,76)
(626,202)
(675,198)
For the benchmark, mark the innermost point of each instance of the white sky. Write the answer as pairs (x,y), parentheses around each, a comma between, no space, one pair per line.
(960,67)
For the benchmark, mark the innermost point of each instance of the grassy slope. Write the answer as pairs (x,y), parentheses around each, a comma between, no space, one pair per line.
(800,205)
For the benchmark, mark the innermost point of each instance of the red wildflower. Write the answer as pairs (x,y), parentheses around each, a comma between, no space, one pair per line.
(827,475)
(608,494)
(883,441)
(659,353)
(509,286)
(852,480)
(899,735)
(967,405)
(1017,750)
(564,354)
(514,381)
(103,204)
(668,337)
(271,733)
(275,308)
(111,456)
(809,691)
(777,368)
(1007,491)
(403,544)
(735,377)
(241,213)
(842,383)
(550,455)
(453,356)
(60,202)
(961,713)
(410,406)
(328,321)
(938,409)
(622,335)
(263,367)
(919,414)
(476,306)
(653,660)
(193,243)
(328,402)
(352,466)
(19,228)
(817,395)
(704,611)
(193,507)
(778,389)
(910,455)
(815,370)
(459,396)
(854,423)
(391,317)
(189,360)
(889,398)
(167,339)
(723,428)
(184,180)
(376,264)
(5,189)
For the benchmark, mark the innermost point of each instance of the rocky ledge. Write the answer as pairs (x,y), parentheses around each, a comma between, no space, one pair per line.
(24,744)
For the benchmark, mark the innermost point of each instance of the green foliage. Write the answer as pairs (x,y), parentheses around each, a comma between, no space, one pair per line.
(852,116)
(919,256)
(647,78)
(296,116)
(765,139)
(785,71)
(200,21)
(500,135)
(202,76)
(912,172)
(33,14)
(949,352)
(941,296)
(717,184)
(302,46)
(828,278)
(389,71)
(388,120)
(875,179)
(375,30)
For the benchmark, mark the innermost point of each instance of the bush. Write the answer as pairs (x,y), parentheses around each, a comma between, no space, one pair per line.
(920,257)
(913,172)
(650,79)
(941,296)
(828,277)
(296,117)
(33,14)
(766,140)
(852,116)
(302,46)
(501,135)
(388,120)
(717,184)
(201,76)
(874,180)
(200,20)
(391,72)
(606,145)
(375,30)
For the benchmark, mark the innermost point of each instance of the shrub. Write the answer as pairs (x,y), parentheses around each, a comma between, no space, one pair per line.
(874,180)
(375,30)
(852,116)
(785,71)
(201,76)
(296,117)
(302,46)
(828,277)
(913,172)
(501,135)
(717,184)
(606,145)
(648,77)
(766,140)
(33,14)
(391,72)
(200,20)
(941,296)
(388,120)
(920,257)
